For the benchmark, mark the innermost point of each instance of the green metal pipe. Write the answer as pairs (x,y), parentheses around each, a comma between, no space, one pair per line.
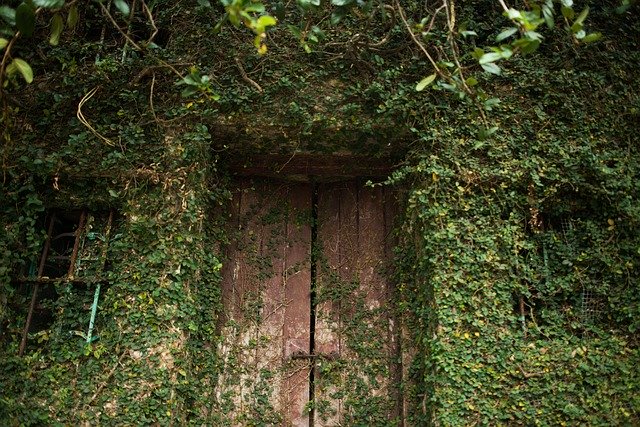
(94,309)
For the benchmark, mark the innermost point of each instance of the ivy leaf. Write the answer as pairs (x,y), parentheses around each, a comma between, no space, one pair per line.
(592,37)
(25,19)
(567,12)
(306,4)
(490,57)
(56,29)
(338,14)
(506,34)
(583,15)
(491,68)
(528,46)
(487,132)
(123,7)
(263,22)
(425,82)
(24,68)
(72,17)
(547,13)
(477,53)
(471,81)
(490,103)
(49,4)
(8,14)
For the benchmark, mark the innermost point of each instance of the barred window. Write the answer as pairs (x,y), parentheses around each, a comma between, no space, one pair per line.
(73,261)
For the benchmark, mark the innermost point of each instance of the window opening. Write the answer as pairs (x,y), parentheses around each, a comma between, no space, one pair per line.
(74,252)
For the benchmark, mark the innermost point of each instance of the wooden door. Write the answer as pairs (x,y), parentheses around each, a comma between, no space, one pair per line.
(309,337)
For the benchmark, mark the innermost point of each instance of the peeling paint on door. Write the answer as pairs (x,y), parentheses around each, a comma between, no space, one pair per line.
(309,334)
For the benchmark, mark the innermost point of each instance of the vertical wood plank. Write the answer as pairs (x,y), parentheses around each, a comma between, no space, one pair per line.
(362,384)
(265,302)
(297,288)
(337,240)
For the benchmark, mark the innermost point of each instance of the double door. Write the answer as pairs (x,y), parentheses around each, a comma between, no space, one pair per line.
(309,334)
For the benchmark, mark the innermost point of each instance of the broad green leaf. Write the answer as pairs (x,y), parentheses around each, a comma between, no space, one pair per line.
(24,68)
(220,23)
(506,34)
(468,33)
(583,15)
(49,4)
(471,81)
(492,68)
(72,17)
(25,19)
(533,35)
(425,82)
(490,57)
(514,14)
(477,53)
(306,4)
(626,4)
(3,43)
(567,3)
(297,33)
(255,7)
(592,37)
(487,132)
(56,29)
(338,14)
(568,12)
(490,103)
(123,7)
(530,46)
(8,14)
(547,13)
(576,27)
(341,2)
(266,21)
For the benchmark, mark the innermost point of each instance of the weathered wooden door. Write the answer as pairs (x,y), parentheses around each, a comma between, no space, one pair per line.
(309,334)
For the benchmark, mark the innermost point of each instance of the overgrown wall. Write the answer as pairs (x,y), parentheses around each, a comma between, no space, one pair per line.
(519,255)
(154,358)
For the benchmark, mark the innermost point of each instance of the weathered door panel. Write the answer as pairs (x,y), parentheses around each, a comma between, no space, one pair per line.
(356,375)
(305,285)
(265,290)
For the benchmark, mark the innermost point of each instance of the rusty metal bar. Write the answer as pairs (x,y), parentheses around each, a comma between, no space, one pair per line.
(76,244)
(34,295)
(105,248)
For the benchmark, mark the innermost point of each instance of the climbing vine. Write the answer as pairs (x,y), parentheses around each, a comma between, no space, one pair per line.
(517,267)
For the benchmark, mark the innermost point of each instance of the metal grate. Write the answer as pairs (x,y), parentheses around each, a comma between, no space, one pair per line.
(66,247)
(591,306)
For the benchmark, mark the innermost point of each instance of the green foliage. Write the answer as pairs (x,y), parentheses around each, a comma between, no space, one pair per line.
(520,256)
(538,204)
